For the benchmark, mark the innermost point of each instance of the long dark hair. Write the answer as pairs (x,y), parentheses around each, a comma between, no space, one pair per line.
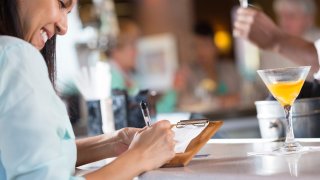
(10,25)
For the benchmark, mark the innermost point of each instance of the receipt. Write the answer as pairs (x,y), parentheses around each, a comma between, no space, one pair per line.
(185,135)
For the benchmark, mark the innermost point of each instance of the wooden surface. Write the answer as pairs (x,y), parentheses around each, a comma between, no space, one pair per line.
(182,159)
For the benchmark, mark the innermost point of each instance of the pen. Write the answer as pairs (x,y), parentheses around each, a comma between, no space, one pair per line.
(244,3)
(145,113)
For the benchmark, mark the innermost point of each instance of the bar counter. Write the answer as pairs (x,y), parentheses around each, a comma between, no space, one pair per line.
(227,159)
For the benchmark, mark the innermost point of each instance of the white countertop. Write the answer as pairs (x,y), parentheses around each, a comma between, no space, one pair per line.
(227,159)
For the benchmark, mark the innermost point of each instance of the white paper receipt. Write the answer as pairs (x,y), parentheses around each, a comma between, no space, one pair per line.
(184,136)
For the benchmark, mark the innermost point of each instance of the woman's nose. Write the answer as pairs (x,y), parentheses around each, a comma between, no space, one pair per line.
(62,25)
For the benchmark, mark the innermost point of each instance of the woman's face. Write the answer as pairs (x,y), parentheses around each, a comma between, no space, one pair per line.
(41,19)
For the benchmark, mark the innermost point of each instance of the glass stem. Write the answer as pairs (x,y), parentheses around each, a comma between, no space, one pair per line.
(289,133)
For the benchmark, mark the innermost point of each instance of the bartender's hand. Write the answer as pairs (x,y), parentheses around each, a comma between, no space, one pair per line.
(154,145)
(258,28)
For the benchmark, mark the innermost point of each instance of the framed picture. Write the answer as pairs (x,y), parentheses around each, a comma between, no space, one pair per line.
(157,62)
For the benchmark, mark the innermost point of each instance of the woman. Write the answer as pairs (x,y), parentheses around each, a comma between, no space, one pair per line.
(36,138)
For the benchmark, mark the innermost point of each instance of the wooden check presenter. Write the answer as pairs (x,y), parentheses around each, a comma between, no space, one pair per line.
(182,159)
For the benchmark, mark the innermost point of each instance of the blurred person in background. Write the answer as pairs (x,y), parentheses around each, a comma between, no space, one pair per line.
(208,79)
(258,28)
(297,18)
(123,54)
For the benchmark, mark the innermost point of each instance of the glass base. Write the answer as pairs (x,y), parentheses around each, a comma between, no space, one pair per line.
(286,149)
(291,147)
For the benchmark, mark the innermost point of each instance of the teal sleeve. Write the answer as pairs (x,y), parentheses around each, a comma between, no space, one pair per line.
(36,139)
(167,103)
(222,89)
(117,81)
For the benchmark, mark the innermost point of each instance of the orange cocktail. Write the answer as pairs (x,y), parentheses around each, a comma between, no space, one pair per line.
(285,85)
(286,92)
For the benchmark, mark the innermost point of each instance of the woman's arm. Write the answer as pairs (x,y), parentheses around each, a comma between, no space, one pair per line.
(125,166)
(150,149)
(104,146)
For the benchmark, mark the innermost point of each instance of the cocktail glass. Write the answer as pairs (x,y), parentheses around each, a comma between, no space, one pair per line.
(285,85)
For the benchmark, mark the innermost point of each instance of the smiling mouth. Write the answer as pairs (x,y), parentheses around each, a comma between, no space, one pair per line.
(44,35)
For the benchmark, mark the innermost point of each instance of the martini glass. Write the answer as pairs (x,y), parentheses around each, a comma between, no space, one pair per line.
(285,85)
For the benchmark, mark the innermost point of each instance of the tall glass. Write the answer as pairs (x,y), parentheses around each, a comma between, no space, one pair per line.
(285,85)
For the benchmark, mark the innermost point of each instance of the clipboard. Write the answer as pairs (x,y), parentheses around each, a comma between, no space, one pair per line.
(182,159)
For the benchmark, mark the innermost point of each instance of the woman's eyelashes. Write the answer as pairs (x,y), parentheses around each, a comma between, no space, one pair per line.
(62,4)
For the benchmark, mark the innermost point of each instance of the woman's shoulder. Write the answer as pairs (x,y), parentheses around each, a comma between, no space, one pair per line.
(10,41)
(22,70)
(15,46)
(17,51)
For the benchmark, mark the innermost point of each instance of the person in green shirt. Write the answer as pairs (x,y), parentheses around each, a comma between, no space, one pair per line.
(122,57)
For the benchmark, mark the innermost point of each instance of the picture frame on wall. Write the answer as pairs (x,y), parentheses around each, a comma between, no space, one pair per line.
(157,62)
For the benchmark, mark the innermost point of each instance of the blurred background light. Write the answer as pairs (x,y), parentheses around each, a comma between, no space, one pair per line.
(222,39)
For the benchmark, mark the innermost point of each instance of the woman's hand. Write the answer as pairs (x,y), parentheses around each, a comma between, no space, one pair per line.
(155,145)
(150,148)
(124,137)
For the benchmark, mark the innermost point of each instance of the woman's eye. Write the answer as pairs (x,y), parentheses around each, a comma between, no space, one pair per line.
(62,4)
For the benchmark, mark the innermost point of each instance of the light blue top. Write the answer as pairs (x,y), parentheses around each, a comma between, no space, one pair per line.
(36,137)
